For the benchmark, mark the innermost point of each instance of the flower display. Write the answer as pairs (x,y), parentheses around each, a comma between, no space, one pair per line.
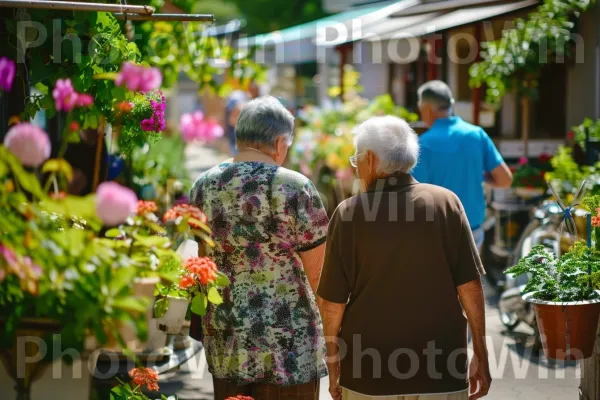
(115,203)
(194,214)
(66,98)
(194,126)
(532,173)
(138,78)
(145,377)
(22,267)
(146,207)
(202,269)
(156,123)
(29,143)
(8,70)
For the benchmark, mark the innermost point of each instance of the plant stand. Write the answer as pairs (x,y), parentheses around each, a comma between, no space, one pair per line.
(25,373)
(589,388)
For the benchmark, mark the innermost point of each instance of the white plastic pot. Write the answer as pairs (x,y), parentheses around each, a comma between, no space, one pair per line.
(172,321)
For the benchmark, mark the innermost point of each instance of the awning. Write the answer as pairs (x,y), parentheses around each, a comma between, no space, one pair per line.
(299,43)
(440,21)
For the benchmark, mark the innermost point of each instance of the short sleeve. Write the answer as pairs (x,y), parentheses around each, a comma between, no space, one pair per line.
(468,266)
(491,156)
(334,285)
(311,219)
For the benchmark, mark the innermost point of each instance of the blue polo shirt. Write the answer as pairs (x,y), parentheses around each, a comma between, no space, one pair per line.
(456,155)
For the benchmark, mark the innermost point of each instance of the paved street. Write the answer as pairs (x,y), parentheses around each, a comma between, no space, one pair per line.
(517,373)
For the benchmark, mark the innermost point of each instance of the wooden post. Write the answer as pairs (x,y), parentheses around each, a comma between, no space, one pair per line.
(525,115)
(476,94)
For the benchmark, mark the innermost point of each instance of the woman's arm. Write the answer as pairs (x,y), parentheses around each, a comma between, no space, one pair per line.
(332,314)
(312,261)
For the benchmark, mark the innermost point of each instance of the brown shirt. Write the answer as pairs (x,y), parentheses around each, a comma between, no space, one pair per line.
(395,255)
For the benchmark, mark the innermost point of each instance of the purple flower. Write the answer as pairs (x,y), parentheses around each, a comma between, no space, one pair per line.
(194,126)
(115,203)
(147,124)
(64,95)
(29,143)
(138,78)
(7,73)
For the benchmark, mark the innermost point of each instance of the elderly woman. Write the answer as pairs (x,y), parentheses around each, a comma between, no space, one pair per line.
(401,267)
(270,227)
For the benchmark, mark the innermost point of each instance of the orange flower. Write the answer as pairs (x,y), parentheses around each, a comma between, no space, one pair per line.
(146,207)
(58,196)
(124,106)
(186,281)
(186,210)
(203,267)
(145,376)
(596,222)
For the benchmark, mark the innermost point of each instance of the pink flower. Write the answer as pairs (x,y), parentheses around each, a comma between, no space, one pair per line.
(139,78)
(151,79)
(114,203)
(7,73)
(64,95)
(344,174)
(84,100)
(8,255)
(523,161)
(147,125)
(29,143)
(194,126)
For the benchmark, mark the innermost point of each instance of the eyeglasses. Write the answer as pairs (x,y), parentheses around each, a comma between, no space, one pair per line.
(354,158)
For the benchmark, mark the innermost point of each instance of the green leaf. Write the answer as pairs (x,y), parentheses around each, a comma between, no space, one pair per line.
(43,89)
(59,165)
(199,304)
(222,280)
(113,233)
(160,307)
(3,169)
(157,228)
(131,304)
(204,237)
(122,278)
(214,296)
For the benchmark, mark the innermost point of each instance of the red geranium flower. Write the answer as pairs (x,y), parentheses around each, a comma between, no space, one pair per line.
(544,157)
(186,210)
(186,282)
(203,268)
(146,207)
(571,135)
(145,376)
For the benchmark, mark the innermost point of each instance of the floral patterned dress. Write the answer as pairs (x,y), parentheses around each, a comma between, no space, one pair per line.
(268,330)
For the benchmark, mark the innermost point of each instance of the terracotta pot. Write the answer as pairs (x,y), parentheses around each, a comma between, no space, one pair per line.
(567,329)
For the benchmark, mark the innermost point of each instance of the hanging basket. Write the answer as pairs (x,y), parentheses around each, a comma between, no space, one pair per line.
(567,329)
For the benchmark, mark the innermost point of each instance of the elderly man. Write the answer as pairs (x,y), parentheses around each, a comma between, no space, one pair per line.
(401,272)
(457,155)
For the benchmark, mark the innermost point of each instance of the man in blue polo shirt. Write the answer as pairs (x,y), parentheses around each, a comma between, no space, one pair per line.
(457,155)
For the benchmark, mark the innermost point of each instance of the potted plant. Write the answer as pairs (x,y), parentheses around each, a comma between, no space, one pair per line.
(56,274)
(566,304)
(529,178)
(140,377)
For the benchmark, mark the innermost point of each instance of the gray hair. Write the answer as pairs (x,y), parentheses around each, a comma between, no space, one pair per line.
(438,94)
(263,120)
(393,141)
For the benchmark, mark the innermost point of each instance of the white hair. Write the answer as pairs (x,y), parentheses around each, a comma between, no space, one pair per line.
(262,120)
(393,141)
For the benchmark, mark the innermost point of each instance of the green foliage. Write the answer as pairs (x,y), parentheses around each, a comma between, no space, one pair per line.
(565,279)
(592,128)
(127,391)
(567,175)
(515,60)
(264,16)
(55,267)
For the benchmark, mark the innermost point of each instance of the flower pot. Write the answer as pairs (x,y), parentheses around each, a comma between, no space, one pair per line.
(567,329)
(173,320)
(529,193)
